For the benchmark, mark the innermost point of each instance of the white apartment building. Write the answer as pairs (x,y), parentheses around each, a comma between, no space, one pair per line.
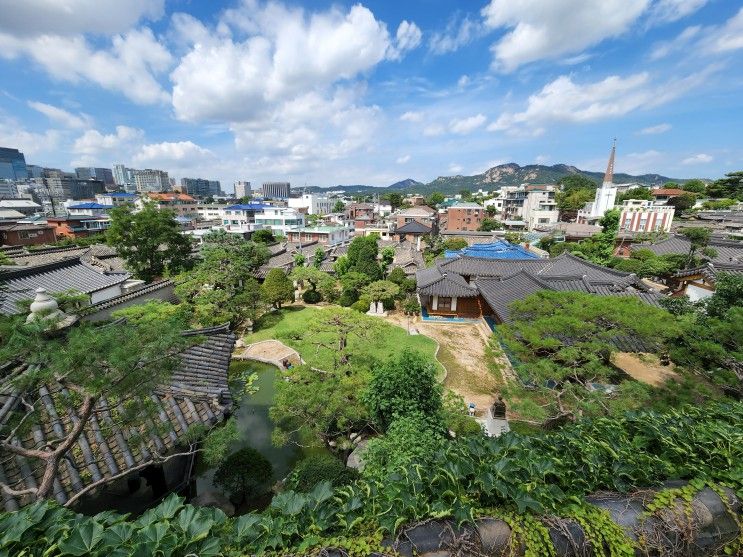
(211,212)
(540,207)
(149,180)
(640,215)
(242,189)
(240,217)
(314,203)
(279,219)
(116,199)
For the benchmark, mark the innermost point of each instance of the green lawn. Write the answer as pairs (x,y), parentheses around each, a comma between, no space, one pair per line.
(289,323)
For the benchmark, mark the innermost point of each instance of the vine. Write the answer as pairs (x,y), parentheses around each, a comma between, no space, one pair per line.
(735,547)
(606,537)
(529,532)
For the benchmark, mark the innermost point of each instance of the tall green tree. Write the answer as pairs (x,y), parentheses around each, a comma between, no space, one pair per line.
(488,225)
(121,363)
(381,290)
(634,193)
(394,198)
(277,288)
(695,186)
(435,199)
(731,186)
(319,257)
(362,256)
(339,207)
(698,237)
(150,241)
(221,286)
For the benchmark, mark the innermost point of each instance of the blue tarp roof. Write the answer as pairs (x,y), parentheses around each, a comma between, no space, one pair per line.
(247,207)
(121,194)
(90,205)
(496,250)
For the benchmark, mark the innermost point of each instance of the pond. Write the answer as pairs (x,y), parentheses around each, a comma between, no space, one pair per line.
(255,427)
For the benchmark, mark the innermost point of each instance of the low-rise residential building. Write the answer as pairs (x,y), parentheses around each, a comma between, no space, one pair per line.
(540,206)
(701,282)
(385,230)
(212,211)
(315,204)
(464,216)
(325,235)
(422,214)
(26,234)
(25,206)
(413,232)
(355,210)
(116,199)
(183,204)
(639,215)
(662,195)
(87,209)
(240,217)
(279,219)
(78,226)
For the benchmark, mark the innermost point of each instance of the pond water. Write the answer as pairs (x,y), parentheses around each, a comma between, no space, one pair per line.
(255,427)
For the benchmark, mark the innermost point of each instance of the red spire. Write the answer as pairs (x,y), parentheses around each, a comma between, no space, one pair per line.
(609,176)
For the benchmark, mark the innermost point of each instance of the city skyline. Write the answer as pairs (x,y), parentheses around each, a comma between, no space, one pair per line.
(340,93)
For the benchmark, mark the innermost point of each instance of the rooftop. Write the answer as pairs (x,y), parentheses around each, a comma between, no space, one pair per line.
(466,205)
(90,205)
(413,227)
(321,229)
(247,207)
(667,191)
(500,249)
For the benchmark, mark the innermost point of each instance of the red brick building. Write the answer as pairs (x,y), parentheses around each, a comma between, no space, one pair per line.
(464,216)
(422,214)
(12,234)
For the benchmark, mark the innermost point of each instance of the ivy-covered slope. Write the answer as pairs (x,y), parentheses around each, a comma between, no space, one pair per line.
(523,480)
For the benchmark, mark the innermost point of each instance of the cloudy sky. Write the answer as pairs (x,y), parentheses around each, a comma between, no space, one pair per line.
(324,93)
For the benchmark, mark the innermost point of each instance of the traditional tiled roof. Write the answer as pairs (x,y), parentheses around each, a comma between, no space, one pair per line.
(59,276)
(35,258)
(500,293)
(449,285)
(728,251)
(413,227)
(710,271)
(139,292)
(197,393)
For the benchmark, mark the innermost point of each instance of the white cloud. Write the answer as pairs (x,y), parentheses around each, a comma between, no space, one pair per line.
(286,54)
(12,133)
(168,154)
(408,37)
(433,130)
(563,100)
(464,126)
(455,168)
(458,33)
(93,143)
(542,159)
(709,40)
(403,159)
(128,66)
(61,116)
(463,81)
(547,30)
(699,158)
(71,17)
(726,37)
(412,116)
(673,10)
(653,130)
(664,48)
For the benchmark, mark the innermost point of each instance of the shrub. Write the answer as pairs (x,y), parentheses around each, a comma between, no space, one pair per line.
(411,306)
(388,304)
(348,298)
(318,468)
(244,474)
(311,297)
(361,305)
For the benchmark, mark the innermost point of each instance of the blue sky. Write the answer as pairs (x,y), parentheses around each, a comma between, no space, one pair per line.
(324,93)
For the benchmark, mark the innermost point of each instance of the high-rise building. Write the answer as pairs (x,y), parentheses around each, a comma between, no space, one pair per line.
(151,180)
(12,164)
(35,171)
(276,190)
(242,189)
(201,187)
(96,173)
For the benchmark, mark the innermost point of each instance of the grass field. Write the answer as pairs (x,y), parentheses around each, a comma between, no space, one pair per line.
(288,324)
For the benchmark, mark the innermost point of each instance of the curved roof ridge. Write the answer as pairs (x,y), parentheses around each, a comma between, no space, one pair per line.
(592,264)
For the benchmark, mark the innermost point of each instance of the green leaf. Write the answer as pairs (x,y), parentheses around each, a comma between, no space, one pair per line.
(117,534)
(289,502)
(169,506)
(82,539)
(245,527)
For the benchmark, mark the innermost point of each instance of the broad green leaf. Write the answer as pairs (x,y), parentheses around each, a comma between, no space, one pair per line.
(82,539)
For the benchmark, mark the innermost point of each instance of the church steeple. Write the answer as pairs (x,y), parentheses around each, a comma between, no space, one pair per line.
(609,176)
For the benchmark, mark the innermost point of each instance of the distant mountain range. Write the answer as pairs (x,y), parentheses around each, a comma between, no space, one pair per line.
(510,174)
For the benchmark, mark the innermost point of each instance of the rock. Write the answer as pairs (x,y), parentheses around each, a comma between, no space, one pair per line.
(494,535)
(355,459)
(214,499)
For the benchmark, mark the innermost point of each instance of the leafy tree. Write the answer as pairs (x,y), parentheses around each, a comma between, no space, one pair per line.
(318,280)
(362,256)
(154,311)
(5,259)
(341,265)
(491,210)
(564,342)
(299,259)
(244,474)
(398,276)
(728,294)
(381,290)
(435,199)
(718,204)
(573,182)
(264,236)
(695,186)
(404,386)
(575,191)
(488,225)
(683,202)
(731,186)
(456,416)
(150,241)
(644,263)
(323,407)
(412,438)
(466,195)
(122,363)
(698,237)
(354,281)
(454,244)
(634,193)
(339,206)
(244,200)
(388,255)
(599,248)
(221,287)
(277,288)
(318,468)
(319,257)
(395,199)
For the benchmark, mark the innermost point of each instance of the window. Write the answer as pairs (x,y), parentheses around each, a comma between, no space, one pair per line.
(23,235)
(444,304)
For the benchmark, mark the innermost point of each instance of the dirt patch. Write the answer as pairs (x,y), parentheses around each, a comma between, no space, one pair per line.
(462,351)
(270,351)
(644,367)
